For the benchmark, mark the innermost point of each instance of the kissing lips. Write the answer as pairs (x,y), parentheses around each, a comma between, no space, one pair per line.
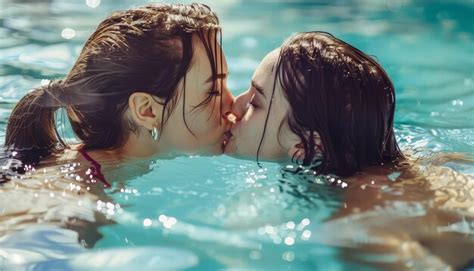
(227,136)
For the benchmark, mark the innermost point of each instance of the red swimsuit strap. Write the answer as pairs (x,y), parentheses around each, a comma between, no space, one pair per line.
(96,167)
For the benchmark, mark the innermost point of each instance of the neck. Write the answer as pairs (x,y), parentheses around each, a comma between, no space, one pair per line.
(140,147)
(136,148)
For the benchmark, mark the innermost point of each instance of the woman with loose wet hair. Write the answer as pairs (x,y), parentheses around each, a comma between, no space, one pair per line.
(326,103)
(321,102)
(149,81)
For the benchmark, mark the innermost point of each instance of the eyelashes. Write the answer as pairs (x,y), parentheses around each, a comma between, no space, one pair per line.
(214,93)
(253,104)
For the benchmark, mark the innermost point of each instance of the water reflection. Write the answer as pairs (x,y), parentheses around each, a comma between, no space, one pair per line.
(414,212)
(50,248)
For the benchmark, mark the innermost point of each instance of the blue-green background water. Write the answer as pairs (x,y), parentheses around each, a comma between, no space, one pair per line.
(223,206)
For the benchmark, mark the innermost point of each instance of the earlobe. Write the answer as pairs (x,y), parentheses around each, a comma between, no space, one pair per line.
(144,110)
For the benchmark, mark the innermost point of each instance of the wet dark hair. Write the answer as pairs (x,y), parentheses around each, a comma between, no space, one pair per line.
(146,49)
(342,104)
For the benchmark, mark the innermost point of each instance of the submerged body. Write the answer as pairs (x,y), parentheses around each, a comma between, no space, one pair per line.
(421,219)
(397,218)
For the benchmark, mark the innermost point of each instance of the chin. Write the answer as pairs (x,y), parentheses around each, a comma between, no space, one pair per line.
(232,151)
(216,149)
(229,149)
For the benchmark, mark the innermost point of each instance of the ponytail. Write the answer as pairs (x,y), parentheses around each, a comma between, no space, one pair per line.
(31,129)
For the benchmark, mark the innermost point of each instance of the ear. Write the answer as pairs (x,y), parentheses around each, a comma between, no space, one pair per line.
(297,152)
(144,110)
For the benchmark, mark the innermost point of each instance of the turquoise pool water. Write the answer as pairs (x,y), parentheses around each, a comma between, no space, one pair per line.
(208,213)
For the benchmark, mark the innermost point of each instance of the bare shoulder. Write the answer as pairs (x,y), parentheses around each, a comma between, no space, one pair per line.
(69,155)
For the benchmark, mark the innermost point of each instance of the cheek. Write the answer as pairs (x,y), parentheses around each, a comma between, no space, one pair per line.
(206,120)
(248,132)
(248,129)
(203,120)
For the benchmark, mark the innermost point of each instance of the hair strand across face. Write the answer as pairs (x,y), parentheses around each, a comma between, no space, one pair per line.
(342,104)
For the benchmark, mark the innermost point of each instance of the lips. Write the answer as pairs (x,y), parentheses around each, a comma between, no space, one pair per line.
(227,136)
(230,117)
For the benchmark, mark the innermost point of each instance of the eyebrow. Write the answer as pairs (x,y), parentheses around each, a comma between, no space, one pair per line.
(219,76)
(258,88)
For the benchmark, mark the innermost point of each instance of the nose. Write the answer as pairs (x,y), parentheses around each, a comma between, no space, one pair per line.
(241,104)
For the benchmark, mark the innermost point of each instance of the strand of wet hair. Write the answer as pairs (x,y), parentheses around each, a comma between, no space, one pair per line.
(184,97)
(222,69)
(277,69)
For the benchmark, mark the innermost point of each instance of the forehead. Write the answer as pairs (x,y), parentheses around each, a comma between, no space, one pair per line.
(266,68)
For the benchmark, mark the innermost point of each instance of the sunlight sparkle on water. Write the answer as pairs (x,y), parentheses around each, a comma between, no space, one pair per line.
(269,229)
(290,225)
(306,235)
(93,3)
(147,222)
(68,33)
(168,221)
(288,256)
(305,222)
(289,241)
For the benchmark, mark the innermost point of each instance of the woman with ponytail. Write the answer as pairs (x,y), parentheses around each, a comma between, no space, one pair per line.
(139,80)
(31,127)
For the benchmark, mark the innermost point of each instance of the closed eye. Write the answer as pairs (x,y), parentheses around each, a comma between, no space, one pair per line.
(254,104)
(214,93)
